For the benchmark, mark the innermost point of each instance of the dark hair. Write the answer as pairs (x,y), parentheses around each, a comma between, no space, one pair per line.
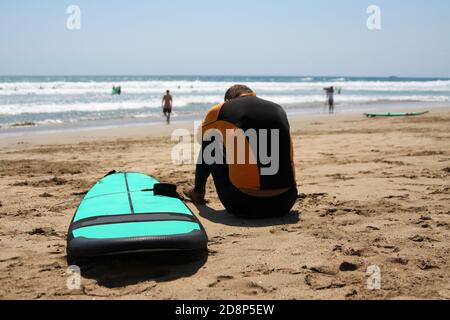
(236,91)
(167,91)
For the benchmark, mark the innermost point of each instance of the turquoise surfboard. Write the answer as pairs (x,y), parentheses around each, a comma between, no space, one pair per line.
(133,212)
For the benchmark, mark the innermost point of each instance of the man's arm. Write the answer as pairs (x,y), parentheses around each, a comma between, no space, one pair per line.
(210,118)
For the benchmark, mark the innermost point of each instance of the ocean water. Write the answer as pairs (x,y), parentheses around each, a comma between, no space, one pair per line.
(82,100)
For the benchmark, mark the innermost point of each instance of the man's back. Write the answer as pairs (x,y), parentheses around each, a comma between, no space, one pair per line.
(249,143)
(167,101)
(268,121)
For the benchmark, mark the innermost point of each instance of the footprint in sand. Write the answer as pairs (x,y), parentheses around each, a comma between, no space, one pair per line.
(427,264)
(46,195)
(279,230)
(237,235)
(57,248)
(212,253)
(242,286)
(220,279)
(7,256)
(399,260)
(50,267)
(253,289)
(327,270)
(322,282)
(419,238)
(44,231)
(348,266)
(257,270)
(354,252)
(444,225)
(216,240)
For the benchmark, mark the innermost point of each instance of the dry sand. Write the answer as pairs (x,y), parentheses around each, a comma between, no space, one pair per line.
(374,192)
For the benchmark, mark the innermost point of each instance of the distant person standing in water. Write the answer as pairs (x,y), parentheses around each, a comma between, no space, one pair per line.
(330,98)
(167,105)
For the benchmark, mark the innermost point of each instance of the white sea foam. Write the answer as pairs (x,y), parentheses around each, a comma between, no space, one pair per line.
(180,102)
(185,101)
(56,102)
(205,87)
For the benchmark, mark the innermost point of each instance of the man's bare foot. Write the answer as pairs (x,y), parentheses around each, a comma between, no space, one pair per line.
(197,198)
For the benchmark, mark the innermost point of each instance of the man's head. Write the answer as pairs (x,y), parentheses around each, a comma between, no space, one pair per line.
(236,91)
(168,91)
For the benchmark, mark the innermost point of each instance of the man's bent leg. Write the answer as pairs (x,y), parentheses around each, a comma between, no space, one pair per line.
(202,173)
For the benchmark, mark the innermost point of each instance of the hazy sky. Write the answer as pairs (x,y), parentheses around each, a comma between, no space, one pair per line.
(233,37)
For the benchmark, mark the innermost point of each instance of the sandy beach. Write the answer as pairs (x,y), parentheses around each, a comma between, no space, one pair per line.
(374,192)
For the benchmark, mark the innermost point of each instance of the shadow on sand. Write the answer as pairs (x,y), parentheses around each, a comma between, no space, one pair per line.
(224,217)
(129,269)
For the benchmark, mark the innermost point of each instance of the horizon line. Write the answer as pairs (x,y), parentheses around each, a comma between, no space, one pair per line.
(225,75)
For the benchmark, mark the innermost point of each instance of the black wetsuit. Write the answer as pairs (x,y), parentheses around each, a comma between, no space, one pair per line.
(243,189)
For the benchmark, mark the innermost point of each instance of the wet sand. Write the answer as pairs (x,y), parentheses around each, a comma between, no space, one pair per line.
(374,192)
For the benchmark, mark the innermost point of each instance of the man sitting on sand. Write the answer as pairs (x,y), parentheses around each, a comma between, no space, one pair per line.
(167,106)
(248,186)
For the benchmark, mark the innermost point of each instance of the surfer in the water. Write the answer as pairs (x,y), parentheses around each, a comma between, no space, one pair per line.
(247,186)
(117,90)
(330,98)
(167,106)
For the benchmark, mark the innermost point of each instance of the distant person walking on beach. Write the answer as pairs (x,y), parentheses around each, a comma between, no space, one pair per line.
(167,105)
(330,98)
